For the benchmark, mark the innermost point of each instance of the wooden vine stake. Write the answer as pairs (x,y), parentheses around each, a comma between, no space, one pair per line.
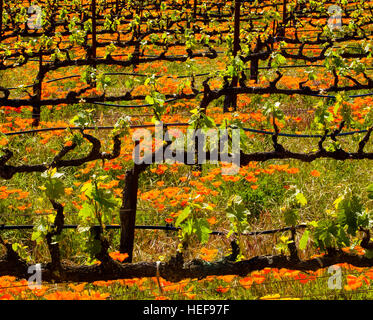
(254,64)
(127,212)
(231,100)
(38,92)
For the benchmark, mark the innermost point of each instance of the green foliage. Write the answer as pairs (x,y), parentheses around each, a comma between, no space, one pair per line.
(237,213)
(269,192)
(94,76)
(193,225)
(322,114)
(272,110)
(343,108)
(304,240)
(121,127)
(22,251)
(184,215)
(235,67)
(74,137)
(42,227)
(292,205)
(84,118)
(199,119)
(155,99)
(54,187)
(190,40)
(100,203)
(278,60)
(328,234)
(348,218)
(99,206)
(283,245)
(350,214)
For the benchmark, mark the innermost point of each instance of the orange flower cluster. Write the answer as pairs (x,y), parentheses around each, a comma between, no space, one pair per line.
(69,295)
(5,193)
(118,256)
(354,282)
(208,255)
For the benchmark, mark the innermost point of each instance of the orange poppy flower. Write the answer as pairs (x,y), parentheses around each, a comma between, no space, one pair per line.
(315,173)
(221,289)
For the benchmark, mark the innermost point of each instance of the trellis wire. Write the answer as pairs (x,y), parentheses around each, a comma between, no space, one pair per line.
(181,124)
(134,74)
(164,228)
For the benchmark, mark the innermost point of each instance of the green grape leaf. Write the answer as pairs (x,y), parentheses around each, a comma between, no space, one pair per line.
(304,240)
(184,214)
(202,230)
